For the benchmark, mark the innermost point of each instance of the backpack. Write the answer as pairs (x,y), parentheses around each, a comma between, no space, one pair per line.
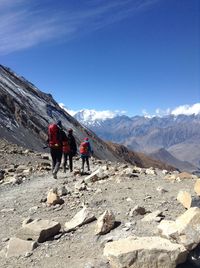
(84,148)
(54,137)
(66,146)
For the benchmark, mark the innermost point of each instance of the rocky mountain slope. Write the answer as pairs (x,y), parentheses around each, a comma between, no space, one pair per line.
(117,203)
(140,159)
(25,113)
(165,156)
(179,135)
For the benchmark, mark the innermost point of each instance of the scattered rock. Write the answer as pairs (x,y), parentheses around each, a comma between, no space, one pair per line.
(161,190)
(153,216)
(137,210)
(17,247)
(185,230)
(53,198)
(185,199)
(63,191)
(80,186)
(150,171)
(84,216)
(39,230)
(105,223)
(197,187)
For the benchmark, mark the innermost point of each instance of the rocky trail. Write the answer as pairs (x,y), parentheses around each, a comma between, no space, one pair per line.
(134,202)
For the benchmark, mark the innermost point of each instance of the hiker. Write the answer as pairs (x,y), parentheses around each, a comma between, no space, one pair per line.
(69,150)
(66,150)
(85,151)
(55,138)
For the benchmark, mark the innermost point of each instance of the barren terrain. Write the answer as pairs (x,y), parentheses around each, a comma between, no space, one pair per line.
(81,248)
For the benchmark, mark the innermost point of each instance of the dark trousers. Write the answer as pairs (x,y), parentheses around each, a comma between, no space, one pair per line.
(85,159)
(56,156)
(70,161)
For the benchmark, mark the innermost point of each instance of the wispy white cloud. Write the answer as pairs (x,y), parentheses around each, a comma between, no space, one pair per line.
(9,3)
(24,24)
(187,109)
(91,114)
(182,109)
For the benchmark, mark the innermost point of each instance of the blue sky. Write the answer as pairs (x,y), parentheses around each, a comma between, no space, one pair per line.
(138,56)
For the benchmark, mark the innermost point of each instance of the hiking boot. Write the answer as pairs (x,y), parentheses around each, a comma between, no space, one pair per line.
(55,176)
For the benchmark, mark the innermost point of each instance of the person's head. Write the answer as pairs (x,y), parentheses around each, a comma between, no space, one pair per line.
(59,124)
(86,139)
(70,131)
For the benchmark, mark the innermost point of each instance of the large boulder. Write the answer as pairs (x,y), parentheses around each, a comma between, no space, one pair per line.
(144,252)
(39,230)
(185,230)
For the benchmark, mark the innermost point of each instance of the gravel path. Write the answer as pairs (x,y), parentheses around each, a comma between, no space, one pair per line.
(81,248)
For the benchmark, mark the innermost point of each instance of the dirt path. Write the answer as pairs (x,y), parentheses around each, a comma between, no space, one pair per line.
(81,248)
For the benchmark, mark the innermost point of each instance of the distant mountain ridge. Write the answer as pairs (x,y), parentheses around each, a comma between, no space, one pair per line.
(165,156)
(178,135)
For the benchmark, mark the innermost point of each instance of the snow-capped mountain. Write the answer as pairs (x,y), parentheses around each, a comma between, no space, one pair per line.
(93,117)
(178,134)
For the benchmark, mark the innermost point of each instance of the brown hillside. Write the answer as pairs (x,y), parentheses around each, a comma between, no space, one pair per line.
(139,159)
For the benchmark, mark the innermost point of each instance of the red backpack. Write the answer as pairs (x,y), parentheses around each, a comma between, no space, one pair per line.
(53,133)
(84,148)
(66,147)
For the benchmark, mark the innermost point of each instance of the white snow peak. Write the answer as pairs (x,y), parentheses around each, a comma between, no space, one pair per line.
(91,116)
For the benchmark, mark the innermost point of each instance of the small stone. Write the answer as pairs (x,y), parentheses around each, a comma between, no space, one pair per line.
(5,239)
(197,187)
(185,199)
(137,210)
(17,247)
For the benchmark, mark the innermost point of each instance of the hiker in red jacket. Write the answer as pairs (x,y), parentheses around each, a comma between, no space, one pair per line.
(85,151)
(55,141)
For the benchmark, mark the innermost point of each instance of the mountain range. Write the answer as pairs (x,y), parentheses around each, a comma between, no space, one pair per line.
(172,139)
(26,112)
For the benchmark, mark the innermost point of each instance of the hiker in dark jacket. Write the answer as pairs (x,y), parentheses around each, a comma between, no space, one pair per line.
(85,151)
(66,150)
(55,144)
(71,152)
